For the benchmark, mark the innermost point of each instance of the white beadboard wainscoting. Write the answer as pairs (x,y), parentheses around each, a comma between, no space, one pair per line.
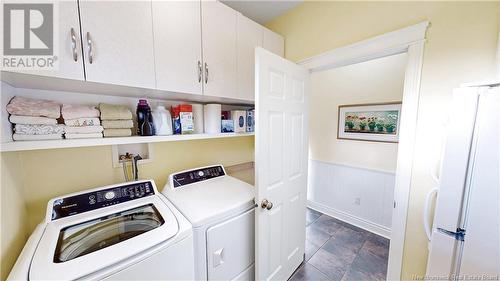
(360,196)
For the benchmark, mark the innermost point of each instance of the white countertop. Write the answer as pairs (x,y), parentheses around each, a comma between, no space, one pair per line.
(244,172)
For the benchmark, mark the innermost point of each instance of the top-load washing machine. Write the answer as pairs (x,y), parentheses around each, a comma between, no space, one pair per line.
(119,232)
(221,210)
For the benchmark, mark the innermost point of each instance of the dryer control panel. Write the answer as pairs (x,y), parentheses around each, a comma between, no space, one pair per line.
(84,202)
(196,175)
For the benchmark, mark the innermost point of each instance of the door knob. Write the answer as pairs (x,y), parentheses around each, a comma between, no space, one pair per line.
(266,204)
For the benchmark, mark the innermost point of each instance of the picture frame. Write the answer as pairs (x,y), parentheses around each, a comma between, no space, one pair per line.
(377,122)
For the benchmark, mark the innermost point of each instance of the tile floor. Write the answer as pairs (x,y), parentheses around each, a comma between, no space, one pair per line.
(336,250)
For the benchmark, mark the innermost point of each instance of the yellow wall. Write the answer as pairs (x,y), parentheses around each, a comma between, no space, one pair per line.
(461,47)
(374,81)
(13,210)
(49,173)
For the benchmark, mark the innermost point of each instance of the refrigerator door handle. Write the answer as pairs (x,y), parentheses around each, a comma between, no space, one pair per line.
(459,234)
(427,206)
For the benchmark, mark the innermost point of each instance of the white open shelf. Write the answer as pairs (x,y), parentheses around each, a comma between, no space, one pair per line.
(51,85)
(68,143)
(91,94)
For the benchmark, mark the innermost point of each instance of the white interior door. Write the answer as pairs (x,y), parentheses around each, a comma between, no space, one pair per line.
(281,149)
(118,42)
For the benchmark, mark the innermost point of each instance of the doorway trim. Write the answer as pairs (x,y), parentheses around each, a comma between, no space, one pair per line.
(409,40)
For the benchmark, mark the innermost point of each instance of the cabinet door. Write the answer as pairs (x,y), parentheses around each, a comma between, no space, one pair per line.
(250,36)
(219,49)
(274,42)
(67,46)
(177,43)
(118,42)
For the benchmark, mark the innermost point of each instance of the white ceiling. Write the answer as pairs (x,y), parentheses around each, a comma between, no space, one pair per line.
(262,11)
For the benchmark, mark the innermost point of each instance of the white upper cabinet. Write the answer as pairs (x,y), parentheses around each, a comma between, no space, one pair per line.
(219,49)
(118,42)
(177,45)
(250,36)
(183,47)
(274,42)
(68,50)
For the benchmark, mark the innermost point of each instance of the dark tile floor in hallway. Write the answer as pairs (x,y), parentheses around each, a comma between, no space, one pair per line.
(336,250)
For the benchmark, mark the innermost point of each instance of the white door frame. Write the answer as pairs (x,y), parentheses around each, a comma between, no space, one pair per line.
(409,40)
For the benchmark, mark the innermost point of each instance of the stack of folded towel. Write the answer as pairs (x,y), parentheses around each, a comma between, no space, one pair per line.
(35,119)
(116,120)
(82,121)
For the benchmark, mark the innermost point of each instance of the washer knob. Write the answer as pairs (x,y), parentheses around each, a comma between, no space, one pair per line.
(201,174)
(109,195)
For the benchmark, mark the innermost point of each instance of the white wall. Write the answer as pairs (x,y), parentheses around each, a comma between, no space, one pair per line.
(344,172)
(362,197)
(374,81)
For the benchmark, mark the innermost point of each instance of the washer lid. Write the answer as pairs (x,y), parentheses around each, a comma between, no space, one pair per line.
(210,200)
(76,246)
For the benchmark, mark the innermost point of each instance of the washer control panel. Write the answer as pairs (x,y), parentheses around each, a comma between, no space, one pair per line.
(196,175)
(76,204)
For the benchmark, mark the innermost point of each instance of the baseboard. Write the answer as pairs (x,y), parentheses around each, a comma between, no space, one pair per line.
(348,218)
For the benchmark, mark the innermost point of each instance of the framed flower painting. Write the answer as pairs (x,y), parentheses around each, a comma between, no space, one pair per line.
(370,122)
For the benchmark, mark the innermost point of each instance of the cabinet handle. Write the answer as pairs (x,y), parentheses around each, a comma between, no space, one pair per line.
(206,73)
(89,45)
(73,44)
(199,71)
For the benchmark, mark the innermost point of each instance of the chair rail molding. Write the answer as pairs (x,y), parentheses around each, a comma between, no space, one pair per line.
(409,40)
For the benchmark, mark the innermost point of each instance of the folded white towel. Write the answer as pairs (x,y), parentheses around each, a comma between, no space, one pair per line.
(83,136)
(79,122)
(19,137)
(30,120)
(84,130)
(22,129)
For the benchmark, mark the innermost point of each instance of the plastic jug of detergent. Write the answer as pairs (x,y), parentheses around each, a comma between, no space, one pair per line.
(162,121)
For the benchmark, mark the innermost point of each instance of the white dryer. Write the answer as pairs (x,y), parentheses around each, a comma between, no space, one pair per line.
(120,232)
(221,210)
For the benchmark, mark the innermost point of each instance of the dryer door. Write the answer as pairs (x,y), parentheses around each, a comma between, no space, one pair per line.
(230,248)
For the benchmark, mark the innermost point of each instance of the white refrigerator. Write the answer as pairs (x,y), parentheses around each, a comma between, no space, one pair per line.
(465,233)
